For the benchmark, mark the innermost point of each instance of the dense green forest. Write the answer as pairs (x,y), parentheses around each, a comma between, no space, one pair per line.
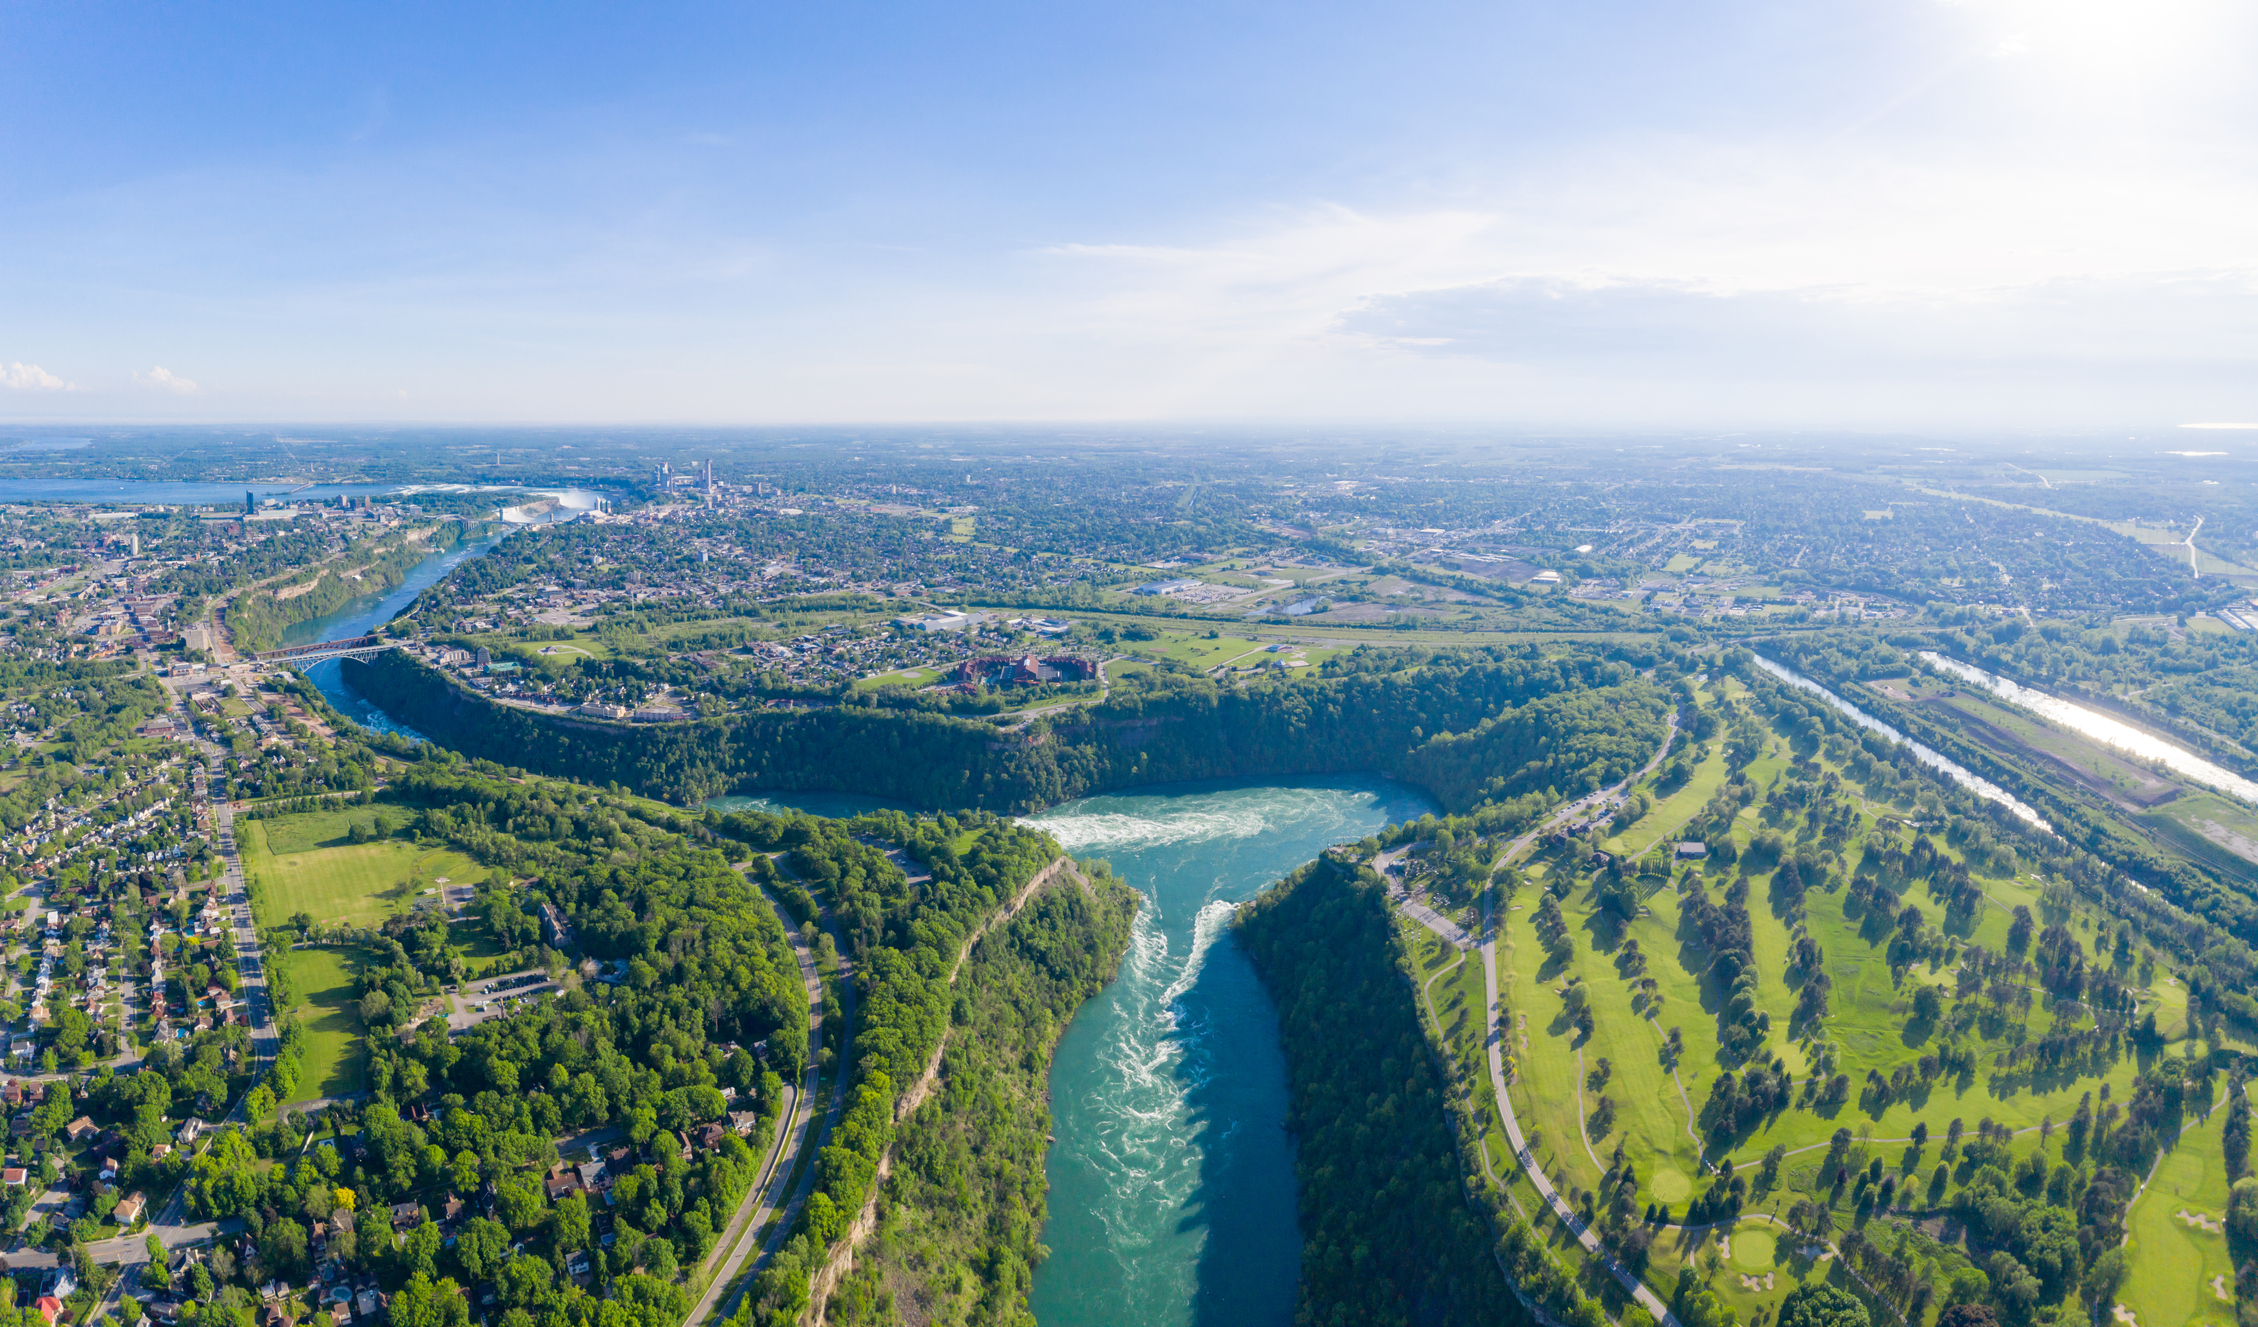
(705,982)
(960,1215)
(686,1004)
(1451,722)
(1388,1232)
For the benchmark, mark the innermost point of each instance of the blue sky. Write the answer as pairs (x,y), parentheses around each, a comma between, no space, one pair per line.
(1984,214)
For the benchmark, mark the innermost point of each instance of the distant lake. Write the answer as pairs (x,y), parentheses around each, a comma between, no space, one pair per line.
(165,491)
(170,493)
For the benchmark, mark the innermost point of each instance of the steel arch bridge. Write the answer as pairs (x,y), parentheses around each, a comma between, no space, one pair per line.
(301,656)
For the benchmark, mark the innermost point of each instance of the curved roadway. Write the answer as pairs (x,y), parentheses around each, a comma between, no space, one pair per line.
(1495,1038)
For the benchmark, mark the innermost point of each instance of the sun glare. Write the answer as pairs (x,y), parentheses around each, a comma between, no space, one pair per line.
(2125,38)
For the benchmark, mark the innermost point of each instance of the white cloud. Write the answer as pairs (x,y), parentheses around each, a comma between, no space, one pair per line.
(2169,326)
(164,379)
(31,377)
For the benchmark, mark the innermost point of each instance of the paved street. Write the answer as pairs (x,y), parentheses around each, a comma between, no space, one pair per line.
(794,1130)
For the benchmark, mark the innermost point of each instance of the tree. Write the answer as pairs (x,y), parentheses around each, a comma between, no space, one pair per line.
(526,1283)
(569,1223)
(1817,1304)
(283,1249)
(518,1203)
(2012,1284)
(481,1246)
(2099,1287)
(2242,1210)
(1968,1315)
(419,1252)
(423,1302)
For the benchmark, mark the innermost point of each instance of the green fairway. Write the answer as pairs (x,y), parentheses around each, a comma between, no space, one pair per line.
(323,983)
(1659,826)
(2176,1259)
(303,863)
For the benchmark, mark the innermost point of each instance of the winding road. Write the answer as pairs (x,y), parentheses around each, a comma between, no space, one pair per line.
(1495,1039)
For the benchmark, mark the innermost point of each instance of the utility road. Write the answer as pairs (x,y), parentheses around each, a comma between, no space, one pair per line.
(1495,1036)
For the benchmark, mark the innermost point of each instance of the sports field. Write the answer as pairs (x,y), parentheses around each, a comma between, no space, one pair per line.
(323,983)
(304,863)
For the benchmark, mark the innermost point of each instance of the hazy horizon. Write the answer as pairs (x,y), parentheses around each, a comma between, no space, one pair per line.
(1987,215)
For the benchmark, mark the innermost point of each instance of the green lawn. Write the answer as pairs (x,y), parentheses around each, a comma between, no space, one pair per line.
(302,863)
(323,982)
(2173,1266)
(1116,669)
(1194,648)
(903,677)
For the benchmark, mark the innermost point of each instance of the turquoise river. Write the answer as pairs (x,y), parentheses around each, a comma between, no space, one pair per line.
(1171,1174)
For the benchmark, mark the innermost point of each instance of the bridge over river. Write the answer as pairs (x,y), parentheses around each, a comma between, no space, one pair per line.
(354,647)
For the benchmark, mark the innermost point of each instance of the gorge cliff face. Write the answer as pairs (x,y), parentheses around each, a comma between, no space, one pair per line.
(1465,733)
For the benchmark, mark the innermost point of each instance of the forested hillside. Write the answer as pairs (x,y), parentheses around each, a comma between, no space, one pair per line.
(960,1215)
(680,1004)
(1397,721)
(1388,1233)
(903,939)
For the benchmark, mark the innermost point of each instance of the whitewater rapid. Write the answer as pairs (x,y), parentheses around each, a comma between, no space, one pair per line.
(1172,1192)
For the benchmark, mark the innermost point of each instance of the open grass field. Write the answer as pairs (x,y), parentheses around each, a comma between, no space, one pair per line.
(303,863)
(1194,648)
(2176,1260)
(2099,763)
(902,677)
(323,983)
